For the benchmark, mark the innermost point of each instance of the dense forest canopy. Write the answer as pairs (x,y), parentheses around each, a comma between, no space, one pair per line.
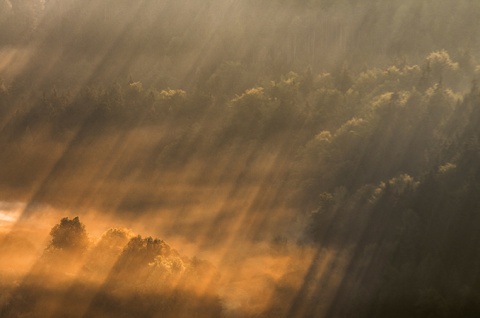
(320,158)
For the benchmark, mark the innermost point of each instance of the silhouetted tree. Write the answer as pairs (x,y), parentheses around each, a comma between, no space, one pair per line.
(69,235)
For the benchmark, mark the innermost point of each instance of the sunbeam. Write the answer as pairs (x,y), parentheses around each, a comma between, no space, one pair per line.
(238,158)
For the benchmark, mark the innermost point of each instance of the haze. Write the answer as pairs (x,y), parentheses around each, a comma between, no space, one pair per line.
(237,158)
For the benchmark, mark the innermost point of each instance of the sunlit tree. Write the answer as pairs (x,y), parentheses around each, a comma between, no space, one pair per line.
(440,63)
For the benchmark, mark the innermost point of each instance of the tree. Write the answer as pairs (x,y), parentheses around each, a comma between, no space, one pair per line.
(69,235)
(343,79)
(440,63)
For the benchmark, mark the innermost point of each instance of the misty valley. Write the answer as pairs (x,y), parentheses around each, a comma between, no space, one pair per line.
(238,158)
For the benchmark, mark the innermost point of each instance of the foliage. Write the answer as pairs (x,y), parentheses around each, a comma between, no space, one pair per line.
(122,275)
(367,130)
(69,235)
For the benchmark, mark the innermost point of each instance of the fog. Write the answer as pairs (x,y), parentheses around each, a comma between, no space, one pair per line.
(239,158)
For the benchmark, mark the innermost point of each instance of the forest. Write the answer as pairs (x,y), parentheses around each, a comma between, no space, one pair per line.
(238,158)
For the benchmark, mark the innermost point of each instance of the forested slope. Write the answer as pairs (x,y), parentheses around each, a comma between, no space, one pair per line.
(338,135)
